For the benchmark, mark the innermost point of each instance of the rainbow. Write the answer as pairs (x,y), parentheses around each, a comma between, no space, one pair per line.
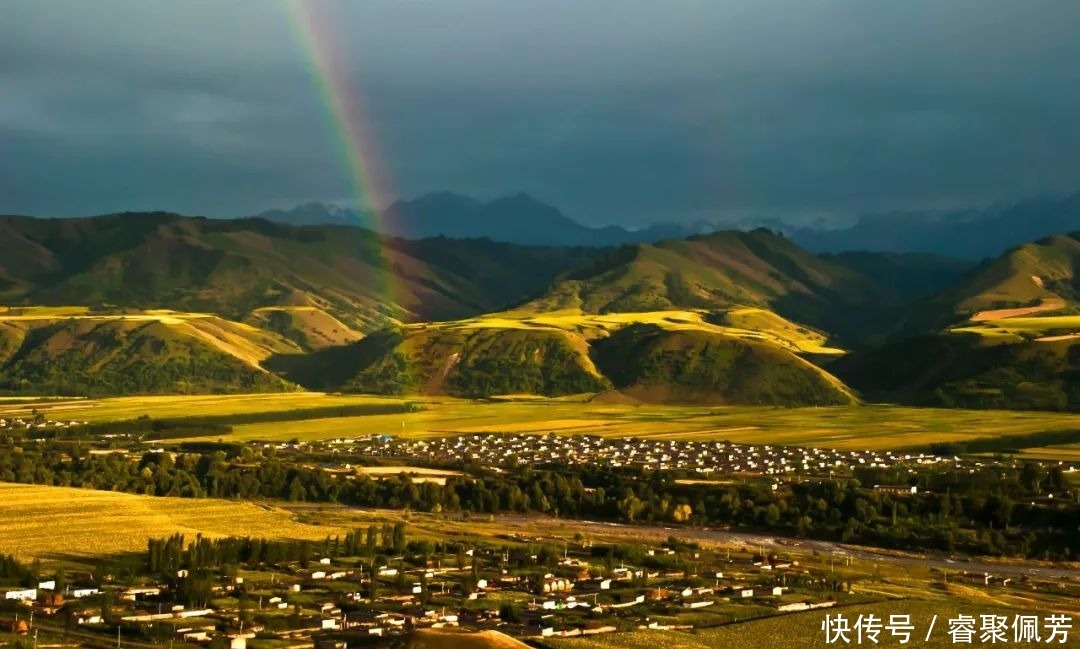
(347,121)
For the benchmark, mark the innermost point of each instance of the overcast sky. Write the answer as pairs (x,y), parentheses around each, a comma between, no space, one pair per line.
(621,111)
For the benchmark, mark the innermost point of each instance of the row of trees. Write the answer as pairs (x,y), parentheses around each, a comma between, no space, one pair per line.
(991,512)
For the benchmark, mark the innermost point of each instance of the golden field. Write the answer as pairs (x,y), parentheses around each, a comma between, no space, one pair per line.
(860,427)
(60,522)
(841,427)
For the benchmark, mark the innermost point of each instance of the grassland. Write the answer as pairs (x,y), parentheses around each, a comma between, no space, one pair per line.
(801,630)
(177,406)
(743,322)
(307,326)
(854,427)
(1065,452)
(867,427)
(59,522)
(1018,329)
(243,341)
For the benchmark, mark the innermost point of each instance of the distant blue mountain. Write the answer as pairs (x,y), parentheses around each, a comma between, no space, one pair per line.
(965,234)
(518,218)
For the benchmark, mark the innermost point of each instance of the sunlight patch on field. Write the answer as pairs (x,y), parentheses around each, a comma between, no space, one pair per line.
(1014,329)
(1002,314)
(56,522)
(744,322)
(850,428)
(175,406)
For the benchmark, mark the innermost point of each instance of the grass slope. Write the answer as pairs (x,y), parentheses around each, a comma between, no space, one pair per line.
(1004,337)
(458,361)
(307,326)
(716,271)
(59,522)
(905,275)
(971,370)
(653,364)
(1038,277)
(231,267)
(862,427)
(553,354)
(147,352)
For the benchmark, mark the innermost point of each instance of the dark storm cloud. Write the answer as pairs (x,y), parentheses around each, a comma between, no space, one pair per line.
(625,111)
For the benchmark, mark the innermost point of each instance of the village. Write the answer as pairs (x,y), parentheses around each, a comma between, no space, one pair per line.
(704,459)
(375,583)
(526,587)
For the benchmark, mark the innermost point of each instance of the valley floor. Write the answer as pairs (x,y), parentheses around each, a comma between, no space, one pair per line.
(313,416)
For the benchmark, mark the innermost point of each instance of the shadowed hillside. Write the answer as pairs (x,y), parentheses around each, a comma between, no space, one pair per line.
(650,364)
(717,271)
(135,354)
(231,268)
(458,361)
(648,357)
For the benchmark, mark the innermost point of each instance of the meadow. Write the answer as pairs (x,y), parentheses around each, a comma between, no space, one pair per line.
(743,322)
(68,523)
(1018,329)
(863,427)
(842,427)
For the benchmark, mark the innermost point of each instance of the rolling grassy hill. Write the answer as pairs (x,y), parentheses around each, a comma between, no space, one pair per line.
(73,351)
(903,276)
(458,361)
(1006,336)
(664,357)
(309,327)
(971,370)
(232,268)
(649,363)
(1037,277)
(717,271)
(192,305)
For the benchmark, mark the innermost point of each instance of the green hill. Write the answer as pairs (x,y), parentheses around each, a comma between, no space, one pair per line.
(717,271)
(143,353)
(309,327)
(967,370)
(1006,336)
(1035,278)
(653,364)
(903,276)
(232,267)
(677,358)
(454,360)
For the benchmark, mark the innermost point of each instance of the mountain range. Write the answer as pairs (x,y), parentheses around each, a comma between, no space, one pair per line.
(517,218)
(970,234)
(156,302)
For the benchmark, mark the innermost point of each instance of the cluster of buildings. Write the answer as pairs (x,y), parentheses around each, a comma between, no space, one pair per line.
(290,603)
(704,458)
(18,423)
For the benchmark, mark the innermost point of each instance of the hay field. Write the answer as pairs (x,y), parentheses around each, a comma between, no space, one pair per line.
(1065,452)
(60,522)
(177,406)
(416,473)
(842,427)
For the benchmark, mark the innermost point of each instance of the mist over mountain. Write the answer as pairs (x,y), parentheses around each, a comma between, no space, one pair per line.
(970,234)
(517,218)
